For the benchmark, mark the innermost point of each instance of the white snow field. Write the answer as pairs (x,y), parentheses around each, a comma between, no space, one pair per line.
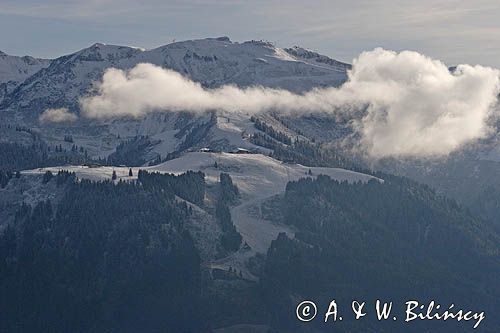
(16,69)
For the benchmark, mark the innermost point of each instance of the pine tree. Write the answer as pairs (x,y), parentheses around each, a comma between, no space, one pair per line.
(113,177)
(130,174)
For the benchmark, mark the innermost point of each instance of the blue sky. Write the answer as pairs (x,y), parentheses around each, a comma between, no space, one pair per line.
(453,31)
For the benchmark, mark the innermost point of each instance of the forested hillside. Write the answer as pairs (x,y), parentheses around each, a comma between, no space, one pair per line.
(398,240)
(109,257)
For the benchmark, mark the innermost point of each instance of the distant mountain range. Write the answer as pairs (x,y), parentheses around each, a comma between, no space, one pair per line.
(29,86)
(37,84)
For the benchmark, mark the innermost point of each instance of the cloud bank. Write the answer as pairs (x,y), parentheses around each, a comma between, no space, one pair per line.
(412,105)
(61,115)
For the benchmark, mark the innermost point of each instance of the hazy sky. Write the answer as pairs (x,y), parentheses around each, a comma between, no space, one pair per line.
(453,31)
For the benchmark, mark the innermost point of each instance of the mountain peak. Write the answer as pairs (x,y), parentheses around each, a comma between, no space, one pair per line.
(15,69)
(100,52)
(98,45)
(104,46)
(220,39)
(212,62)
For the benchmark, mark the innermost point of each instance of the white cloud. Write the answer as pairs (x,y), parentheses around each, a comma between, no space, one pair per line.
(61,115)
(413,105)
(417,107)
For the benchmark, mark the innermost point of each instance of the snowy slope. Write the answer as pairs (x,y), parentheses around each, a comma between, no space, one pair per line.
(256,175)
(258,178)
(14,70)
(314,57)
(230,131)
(68,77)
(219,61)
(212,62)
(18,69)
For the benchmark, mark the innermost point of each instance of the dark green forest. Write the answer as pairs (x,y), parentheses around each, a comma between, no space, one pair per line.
(396,240)
(108,257)
(189,186)
(14,157)
(228,194)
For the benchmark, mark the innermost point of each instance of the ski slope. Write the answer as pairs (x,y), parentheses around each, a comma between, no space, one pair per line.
(257,176)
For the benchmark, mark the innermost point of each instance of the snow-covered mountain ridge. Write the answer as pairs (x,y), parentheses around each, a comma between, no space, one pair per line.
(14,70)
(17,69)
(212,62)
